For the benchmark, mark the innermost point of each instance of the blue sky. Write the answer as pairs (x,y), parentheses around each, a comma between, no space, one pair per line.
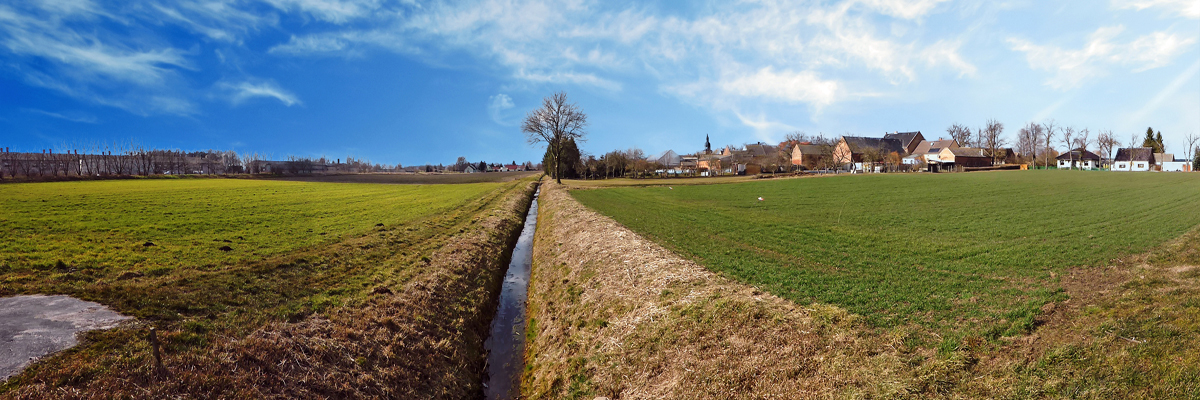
(417,82)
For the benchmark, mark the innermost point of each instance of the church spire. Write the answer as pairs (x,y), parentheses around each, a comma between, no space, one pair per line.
(707,145)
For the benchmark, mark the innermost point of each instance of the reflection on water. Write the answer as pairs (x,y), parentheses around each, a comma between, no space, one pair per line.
(506,343)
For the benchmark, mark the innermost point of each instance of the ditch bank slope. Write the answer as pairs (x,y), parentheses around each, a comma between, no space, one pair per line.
(613,314)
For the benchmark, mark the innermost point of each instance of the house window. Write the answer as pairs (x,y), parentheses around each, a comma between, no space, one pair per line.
(1140,165)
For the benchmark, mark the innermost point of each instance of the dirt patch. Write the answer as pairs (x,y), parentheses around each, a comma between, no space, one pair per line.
(613,314)
(34,326)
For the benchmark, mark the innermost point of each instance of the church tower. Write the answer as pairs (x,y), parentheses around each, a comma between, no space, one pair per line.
(707,145)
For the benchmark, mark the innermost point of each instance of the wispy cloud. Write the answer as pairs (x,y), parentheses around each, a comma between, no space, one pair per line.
(73,117)
(1184,8)
(242,91)
(1073,67)
(496,107)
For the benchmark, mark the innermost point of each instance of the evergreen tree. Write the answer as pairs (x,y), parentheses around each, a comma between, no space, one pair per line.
(1196,160)
(1162,147)
(1151,142)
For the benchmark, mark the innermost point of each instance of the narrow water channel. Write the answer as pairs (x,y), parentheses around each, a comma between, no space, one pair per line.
(506,343)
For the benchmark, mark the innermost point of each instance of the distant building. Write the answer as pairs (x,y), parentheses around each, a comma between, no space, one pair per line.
(908,140)
(1078,159)
(1134,159)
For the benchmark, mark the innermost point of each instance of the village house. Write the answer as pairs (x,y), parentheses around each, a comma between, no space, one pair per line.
(1078,159)
(908,140)
(860,153)
(807,155)
(1133,159)
(950,159)
(927,151)
(1177,165)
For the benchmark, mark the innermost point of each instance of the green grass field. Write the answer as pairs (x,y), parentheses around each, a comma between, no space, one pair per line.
(106,224)
(976,253)
(297,247)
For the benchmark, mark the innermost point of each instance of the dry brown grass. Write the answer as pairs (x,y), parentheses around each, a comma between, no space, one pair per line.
(613,314)
(421,339)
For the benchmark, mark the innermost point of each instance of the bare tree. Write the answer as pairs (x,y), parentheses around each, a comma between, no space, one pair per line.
(960,133)
(1051,128)
(1067,133)
(554,123)
(1028,139)
(1106,141)
(991,138)
(1191,140)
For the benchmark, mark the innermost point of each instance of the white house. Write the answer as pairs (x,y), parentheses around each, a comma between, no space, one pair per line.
(1133,159)
(470,169)
(1078,159)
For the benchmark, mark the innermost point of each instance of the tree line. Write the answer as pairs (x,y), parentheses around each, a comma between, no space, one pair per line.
(128,158)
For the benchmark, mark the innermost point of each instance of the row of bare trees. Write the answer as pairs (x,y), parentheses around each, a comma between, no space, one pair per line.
(129,158)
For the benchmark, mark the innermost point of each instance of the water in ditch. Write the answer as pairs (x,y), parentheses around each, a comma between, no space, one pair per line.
(506,343)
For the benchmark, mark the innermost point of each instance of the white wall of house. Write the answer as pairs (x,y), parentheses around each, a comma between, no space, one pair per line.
(1079,164)
(1177,166)
(1131,166)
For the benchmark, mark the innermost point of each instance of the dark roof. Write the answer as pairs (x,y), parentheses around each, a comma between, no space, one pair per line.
(1135,154)
(809,148)
(1078,154)
(858,144)
(760,149)
(904,137)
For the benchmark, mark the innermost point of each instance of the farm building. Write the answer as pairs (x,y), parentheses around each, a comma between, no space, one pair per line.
(1134,159)
(668,159)
(908,140)
(1078,159)
(929,149)
(470,169)
(959,157)
(807,155)
(850,150)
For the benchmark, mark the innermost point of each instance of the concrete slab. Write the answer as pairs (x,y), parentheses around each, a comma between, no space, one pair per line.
(34,326)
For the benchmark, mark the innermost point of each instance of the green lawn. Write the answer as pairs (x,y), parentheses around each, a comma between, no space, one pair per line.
(968,253)
(295,247)
(106,224)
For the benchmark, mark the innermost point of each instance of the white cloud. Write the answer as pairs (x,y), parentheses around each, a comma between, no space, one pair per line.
(335,11)
(907,9)
(1185,8)
(788,86)
(240,92)
(1072,67)
(496,107)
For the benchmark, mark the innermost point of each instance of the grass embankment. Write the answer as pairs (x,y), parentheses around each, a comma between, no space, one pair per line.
(616,315)
(329,289)
(950,273)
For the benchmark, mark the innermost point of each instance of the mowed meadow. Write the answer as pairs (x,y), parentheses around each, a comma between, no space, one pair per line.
(156,224)
(209,261)
(962,254)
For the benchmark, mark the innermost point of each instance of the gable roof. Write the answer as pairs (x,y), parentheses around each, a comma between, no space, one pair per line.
(905,138)
(934,146)
(858,144)
(966,152)
(1135,154)
(760,149)
(809,149)
(1078,154)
